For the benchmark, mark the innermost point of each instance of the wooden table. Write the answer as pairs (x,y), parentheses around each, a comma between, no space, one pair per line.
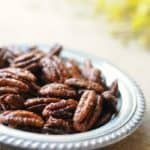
(35,21)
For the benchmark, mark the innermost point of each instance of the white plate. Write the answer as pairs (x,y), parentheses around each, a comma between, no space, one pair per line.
(131,110)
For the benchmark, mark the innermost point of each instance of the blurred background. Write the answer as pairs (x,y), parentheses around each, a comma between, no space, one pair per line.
(117,30)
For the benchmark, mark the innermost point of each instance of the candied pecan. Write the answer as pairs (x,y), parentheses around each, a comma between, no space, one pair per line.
(11,101)
(20,79)
(18,73)
(6,57)
(58,90)
(88,111)
(54,69)
(114,88)
(104,118)
(29,61)
(91,73)
(55,50)
(63,109)
(6,89)
(14,83)
(73,69)
(57,126)
(21,118)
(85,84)
(110,96)
(37,104)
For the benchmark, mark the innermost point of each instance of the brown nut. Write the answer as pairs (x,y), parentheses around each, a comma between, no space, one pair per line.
(88,111)
(57,90)
(55,50)
(63,109)
(114,88)
(85,84)
(91,73)
(54,69)
(14,83)
(18,73)
(73,69)
(22,80)
(57,126)
(21,118)
(6,57)
(37,104)
(8,90)
(29,61)
(10,102)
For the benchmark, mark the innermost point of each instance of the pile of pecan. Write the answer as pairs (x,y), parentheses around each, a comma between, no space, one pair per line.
(46,93)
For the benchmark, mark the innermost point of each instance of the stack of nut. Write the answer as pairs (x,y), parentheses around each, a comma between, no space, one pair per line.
(46,93)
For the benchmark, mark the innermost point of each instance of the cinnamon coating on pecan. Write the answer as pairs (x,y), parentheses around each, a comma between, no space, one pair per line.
(57,90)
(85,84)
(63,109)
(88,111)
(29,61)
(73,69)
(57,126)
(21,118)
(91,73)
(55,50)
(6,57)
(37,104)
(11,102)
(54,69)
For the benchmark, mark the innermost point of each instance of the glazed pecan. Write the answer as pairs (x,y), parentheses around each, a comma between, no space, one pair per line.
(84,84)
(57,126)
(14,83)
(55,50)
(7,90)
(88,111)
(91,73)
(37,104)
(17,73)
(104,118)
(73,69)
(58,90)
(22,118)
(29,61)
(110,96)
(6,57)
(54,69)
(11,101)
(20,79)
(63,109)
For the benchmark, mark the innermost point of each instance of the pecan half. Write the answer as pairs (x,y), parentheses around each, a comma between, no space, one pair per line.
(57,126)
(63,109)
(18,73)
(37,104)
(22,118)
(11,101)
(85,84)
(29,61)
(6,57)
(54,69)
(58,90)
(14,83)
(91,73)
(73,69)
(7,90)
(110,96)
(88,111)
(55,50)
(20,79)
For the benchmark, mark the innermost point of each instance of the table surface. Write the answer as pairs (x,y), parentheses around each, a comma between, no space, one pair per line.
(36,21)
